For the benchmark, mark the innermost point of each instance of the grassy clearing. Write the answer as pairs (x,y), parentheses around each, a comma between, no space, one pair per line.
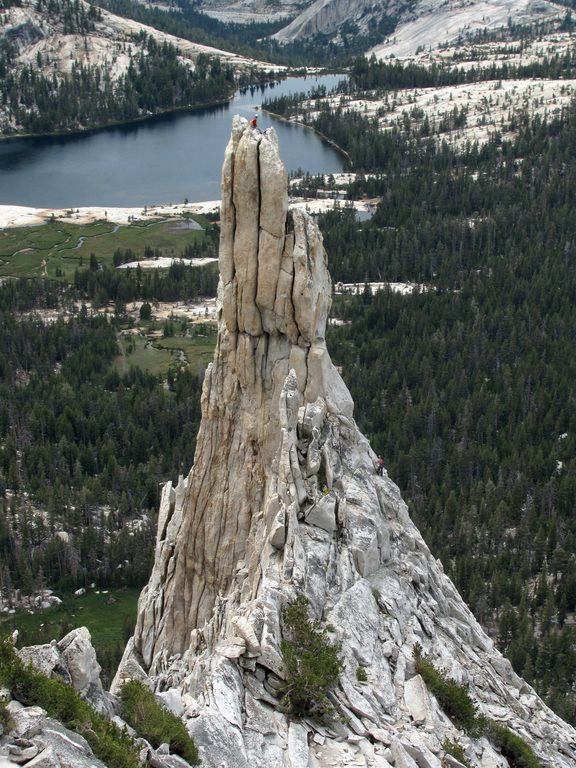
(159,235)
(66,247)
(157,356)
(198,351)
(138,352)
(107,617)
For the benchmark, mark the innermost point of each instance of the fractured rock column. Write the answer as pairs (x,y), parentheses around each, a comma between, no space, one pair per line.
(275,295)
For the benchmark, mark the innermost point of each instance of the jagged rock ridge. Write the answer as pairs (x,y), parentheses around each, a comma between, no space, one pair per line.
(283,499)
(325,17)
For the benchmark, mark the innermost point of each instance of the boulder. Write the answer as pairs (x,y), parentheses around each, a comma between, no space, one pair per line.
(73,661)
(416,699)
(43,742)
(80,658)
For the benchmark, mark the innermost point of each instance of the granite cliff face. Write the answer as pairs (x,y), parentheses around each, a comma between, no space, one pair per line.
(325,17)
(283,500)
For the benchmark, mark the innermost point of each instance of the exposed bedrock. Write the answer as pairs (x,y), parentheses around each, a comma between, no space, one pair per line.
(283,499)
(326,17)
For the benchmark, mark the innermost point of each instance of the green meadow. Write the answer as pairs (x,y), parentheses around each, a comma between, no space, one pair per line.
(109,615)
(138,352)
(67,247)
(197,350)
(157,355)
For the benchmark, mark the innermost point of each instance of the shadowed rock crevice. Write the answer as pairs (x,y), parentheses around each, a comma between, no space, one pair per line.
(283,500)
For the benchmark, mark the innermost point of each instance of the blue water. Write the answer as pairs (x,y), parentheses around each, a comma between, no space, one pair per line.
(162,160)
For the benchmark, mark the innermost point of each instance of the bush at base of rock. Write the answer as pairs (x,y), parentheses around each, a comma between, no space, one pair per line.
(456,751)
(5,719)
(154,722)
(33,688)
(514,749)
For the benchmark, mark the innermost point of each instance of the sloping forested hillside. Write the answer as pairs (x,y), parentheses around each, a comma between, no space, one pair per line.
(83,449)
(68,66)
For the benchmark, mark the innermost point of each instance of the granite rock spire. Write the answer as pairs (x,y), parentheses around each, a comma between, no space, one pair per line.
(283,500)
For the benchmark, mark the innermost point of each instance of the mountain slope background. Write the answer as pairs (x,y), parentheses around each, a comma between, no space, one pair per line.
(402,26)
(67,65)
(70,65)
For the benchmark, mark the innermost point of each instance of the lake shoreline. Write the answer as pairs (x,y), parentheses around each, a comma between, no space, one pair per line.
(275,77)
(320,135)
(118,123)
(16,216)
(165,158)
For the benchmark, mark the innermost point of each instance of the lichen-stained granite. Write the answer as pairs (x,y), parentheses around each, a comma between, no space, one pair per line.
(283,500)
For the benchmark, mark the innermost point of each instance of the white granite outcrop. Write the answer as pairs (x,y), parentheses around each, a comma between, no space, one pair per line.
(326,17)
(283,499)
(73,661)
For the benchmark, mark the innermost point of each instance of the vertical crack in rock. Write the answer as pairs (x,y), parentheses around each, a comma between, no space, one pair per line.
(258,219)
(283,499)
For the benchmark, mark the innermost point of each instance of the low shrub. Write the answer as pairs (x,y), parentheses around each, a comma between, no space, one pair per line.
(456,702)
(453,697)
(6,723)
(312,661)
(361,674)
(142,710)
(456,750)
(31,687)
(518,753)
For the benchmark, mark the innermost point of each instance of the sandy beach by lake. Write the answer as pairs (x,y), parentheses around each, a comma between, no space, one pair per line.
(22,216)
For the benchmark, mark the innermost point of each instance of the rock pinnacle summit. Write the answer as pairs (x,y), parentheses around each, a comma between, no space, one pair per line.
(283,500)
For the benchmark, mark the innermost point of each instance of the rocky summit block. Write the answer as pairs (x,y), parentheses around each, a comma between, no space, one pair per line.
(283,501)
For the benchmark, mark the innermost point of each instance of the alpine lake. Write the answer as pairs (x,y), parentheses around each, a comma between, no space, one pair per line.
(165,159)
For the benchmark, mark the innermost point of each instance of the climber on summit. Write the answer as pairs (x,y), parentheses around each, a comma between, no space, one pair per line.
(254,123)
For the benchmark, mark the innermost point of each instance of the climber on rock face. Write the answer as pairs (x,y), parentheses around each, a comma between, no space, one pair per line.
(380,466)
